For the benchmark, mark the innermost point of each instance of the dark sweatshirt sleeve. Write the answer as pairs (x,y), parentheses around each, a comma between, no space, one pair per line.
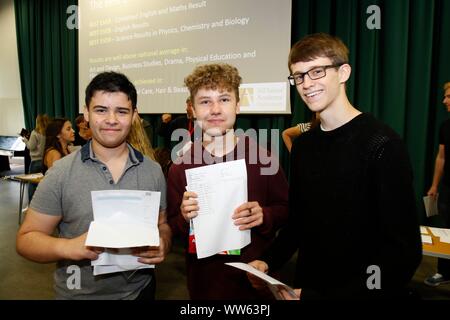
(286,242)
(176,184)
(401,248)
(275,210)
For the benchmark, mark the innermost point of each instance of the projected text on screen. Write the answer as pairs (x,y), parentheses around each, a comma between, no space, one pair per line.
(158,43)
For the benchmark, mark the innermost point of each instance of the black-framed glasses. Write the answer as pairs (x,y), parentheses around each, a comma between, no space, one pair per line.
(314,74)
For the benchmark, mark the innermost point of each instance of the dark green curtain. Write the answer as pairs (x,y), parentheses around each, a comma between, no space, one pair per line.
(48,60)
(398,70)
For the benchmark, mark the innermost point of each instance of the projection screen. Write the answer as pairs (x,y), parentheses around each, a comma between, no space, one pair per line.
(157,43)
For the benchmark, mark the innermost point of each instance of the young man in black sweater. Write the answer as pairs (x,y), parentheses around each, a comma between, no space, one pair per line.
(352,205)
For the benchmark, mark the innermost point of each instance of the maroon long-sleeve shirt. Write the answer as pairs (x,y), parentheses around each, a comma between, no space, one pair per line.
(210,278)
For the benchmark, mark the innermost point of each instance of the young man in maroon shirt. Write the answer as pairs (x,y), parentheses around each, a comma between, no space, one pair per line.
(214,91)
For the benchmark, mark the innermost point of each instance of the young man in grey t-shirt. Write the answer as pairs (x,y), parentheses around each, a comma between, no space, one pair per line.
(63,200)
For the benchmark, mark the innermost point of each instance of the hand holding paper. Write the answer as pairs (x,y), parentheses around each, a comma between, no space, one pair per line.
(77,250)
(151,255)
(257,282)
(280,290)
(189,206)
(248,215)
(433,192)
(125,219)
(220,189)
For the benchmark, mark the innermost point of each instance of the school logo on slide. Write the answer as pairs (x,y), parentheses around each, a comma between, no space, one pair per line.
(263,97)
(246,96)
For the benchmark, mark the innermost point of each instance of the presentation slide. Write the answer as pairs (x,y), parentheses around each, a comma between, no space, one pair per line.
(158,43)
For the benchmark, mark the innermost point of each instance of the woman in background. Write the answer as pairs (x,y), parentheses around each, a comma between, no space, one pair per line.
(138,138)
(58,136)
(36,145)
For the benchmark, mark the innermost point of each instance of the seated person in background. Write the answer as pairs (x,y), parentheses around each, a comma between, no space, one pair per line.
(24,133)
(36,144)
(293,132)
(138,138)
(168,126)
(58,136)
(84,132)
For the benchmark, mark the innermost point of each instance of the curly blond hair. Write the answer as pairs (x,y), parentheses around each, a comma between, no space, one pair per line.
(213,76)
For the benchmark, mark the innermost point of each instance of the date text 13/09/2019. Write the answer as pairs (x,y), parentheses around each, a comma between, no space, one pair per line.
(230,309)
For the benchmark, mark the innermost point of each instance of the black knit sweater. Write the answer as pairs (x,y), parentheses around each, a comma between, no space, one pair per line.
(352,206)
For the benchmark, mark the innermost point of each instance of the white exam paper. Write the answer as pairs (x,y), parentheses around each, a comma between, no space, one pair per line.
(430,204)
(117,261)
(123,219)
(98,270)
(274,284)
(426,239)
(248,268)
(443,234)
(221,188)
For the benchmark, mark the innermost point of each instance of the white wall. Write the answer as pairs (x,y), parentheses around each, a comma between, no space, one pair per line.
(11,109)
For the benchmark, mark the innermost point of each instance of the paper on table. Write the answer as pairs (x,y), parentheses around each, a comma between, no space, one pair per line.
(443,234)
(273,283)
(122,219)
(430,203)
(34,175)
(423,230)
(30,176)
(438,232)
(426,239)
(221,188)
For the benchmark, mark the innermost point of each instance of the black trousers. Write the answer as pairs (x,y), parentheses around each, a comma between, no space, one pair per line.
(444,211)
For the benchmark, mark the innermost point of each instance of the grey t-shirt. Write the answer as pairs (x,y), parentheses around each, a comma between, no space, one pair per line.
(66,191)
